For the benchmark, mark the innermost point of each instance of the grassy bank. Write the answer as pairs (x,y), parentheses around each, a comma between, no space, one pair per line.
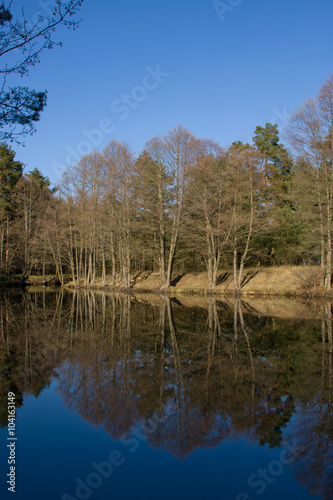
(278,281)
(281,280)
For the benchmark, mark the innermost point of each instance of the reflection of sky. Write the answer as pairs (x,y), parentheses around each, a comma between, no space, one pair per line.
(55,446)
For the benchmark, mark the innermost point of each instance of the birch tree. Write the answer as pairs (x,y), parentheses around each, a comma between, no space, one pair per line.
(245,206)
(181,149)
(119,165)
(207,207)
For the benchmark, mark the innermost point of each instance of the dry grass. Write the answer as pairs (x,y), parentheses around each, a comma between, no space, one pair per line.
(39,279)
(271,280)
(280,280)
(151,283)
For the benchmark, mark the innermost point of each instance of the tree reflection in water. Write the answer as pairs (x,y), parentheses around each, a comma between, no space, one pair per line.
(188,377)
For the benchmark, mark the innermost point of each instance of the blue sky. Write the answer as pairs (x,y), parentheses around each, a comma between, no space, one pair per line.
(135,69)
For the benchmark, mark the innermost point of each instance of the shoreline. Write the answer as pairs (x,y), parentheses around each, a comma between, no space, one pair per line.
(173,291)
(280,281)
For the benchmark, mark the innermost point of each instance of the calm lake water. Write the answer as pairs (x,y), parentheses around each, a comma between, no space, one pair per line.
(147,397)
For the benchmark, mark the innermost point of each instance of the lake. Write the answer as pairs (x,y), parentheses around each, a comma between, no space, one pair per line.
(150,397)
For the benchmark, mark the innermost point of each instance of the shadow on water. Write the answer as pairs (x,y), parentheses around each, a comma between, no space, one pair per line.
(189,377)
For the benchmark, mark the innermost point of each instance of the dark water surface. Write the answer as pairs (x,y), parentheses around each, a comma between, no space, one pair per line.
(146,397)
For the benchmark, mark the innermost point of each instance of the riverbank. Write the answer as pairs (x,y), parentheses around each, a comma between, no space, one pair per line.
(288,307)
(16,281)
(271,281)
(281,281)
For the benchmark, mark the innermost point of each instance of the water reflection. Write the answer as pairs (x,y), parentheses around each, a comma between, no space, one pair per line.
(187,377)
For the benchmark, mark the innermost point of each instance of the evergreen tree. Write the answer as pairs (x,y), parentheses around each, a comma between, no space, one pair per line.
(37,176)
(10,173)
(283,231)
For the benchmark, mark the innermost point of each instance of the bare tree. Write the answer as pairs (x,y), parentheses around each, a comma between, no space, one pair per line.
(181,149)
(244,188)
(207,206)
(310,134)
(119,165)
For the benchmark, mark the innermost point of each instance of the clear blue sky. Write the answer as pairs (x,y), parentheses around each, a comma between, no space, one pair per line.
(221,74)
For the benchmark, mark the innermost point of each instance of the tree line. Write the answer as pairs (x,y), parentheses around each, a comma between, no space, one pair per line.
(183,205)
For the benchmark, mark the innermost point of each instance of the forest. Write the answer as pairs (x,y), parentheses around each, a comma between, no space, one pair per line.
(185,204)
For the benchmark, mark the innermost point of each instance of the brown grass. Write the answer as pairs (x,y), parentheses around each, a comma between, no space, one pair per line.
(271,280)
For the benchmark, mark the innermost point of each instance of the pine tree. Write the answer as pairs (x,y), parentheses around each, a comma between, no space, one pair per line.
(10,173)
